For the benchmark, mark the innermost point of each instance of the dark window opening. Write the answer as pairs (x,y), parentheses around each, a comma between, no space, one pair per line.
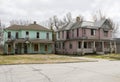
(16,35)
(47,36)
(79,44)
(58,34)
(63,45)
(46,48)
(37,35)
(85,44)
(67,34)
(9,34)
(27,33)
(93,31)
(84,32)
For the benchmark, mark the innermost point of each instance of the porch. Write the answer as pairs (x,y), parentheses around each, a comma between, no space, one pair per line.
(98,47)
(29,47)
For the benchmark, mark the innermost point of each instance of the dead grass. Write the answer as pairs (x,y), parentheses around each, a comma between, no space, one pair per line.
(40,58)
(106,56)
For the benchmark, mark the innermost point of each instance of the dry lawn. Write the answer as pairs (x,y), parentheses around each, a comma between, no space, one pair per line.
(39,58)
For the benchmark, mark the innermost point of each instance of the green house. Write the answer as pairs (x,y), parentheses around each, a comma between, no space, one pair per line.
(30,39)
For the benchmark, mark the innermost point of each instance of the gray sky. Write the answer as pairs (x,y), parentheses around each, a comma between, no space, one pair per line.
(41,10)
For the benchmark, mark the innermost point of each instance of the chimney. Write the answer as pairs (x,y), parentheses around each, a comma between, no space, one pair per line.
(35,22)
(77,19)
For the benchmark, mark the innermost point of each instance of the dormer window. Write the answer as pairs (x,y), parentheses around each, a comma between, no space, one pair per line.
(9,34)
(106,33)
(37,36)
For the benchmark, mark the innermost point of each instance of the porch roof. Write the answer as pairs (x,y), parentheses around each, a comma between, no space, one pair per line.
(29,41)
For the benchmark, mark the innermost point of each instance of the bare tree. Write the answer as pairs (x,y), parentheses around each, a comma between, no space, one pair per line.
(100,16)
(19,22)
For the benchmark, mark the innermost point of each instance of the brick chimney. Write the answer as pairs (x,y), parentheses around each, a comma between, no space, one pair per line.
(77,19)
(35,22)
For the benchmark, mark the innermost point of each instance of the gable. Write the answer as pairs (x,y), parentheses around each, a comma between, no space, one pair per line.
(106,26)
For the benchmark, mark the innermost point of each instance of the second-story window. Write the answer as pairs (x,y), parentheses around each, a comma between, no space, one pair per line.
(16,35)
(58,34)
(63,34)
(77,32)
(47,36)
(93,31)
(27,33)
(67,36)
(73,33)
(37,35)
(9,34)
(84,31)
(106,33)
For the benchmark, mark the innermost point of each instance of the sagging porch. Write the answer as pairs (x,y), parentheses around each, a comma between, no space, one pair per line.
(22,46)
(98,47)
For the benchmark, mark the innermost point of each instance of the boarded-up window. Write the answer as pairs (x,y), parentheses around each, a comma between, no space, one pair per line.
(35,47)
(46,48)
(9,48)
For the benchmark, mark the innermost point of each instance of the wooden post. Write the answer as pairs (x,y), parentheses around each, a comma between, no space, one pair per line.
(82,47)
(94,48)
(103,46)
(110,47)
(115,47)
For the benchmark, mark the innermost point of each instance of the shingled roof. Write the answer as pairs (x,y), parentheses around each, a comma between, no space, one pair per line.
(28,27)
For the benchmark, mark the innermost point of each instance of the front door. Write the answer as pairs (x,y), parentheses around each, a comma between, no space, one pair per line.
(25,48)
(99,46)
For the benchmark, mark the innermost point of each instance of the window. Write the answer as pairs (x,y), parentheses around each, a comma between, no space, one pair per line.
(93,31)
(63,44)
(9,48)
(85,44)
(35,47)
(106,33)
(47,36)
(37,35)
(16,35)
(46,48)
(77,32)
(79,45)
(9,34)
(58,34)
(67,34)
(84,31)
(63,34)
(70,46)
(27,33)
(59,45)
(73,33)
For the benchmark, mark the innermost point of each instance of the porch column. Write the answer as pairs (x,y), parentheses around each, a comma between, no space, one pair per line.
(31,48)
(110,47)
(94,48)
(82,47)
(103,46)
(115,47)
(14,48)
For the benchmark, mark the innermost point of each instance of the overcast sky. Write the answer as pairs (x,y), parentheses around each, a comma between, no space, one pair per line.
(41,10)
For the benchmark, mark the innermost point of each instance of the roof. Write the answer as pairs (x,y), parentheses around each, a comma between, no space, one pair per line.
(28,27)
(87,24)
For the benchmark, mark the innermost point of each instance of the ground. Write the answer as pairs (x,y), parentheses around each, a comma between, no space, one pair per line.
(100,71)
(38,58)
